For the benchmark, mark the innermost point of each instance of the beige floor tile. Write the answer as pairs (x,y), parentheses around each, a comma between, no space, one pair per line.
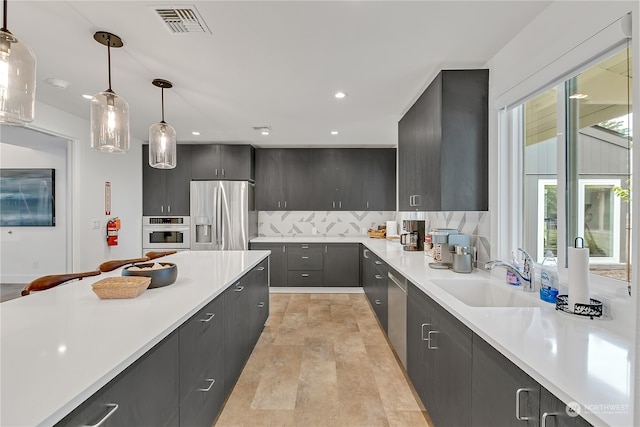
(278,385)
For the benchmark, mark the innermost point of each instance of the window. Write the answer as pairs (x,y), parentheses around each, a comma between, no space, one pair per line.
(585,123)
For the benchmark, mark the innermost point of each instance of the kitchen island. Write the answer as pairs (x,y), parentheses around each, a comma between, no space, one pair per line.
(62,345)
(581,361)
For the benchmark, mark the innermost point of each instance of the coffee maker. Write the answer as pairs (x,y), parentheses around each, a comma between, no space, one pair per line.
(442,256)
(412,238)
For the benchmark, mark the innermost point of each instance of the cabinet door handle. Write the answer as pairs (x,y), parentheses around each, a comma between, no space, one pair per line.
(422,331)
(261,304)
(114,407)
(239,288)
(378,302)
(285,204)
(543,423)
(169,208)
(216,171)
(379,277)
(365,252)
(377,262)
(278,203)
(284,249)
(416,200)
(260,268)
(340,204)
(222,171)
(410,200)
(162,208)
(325,249)
(429,340)
(518,392)
(334,204)
(210,385)
(305,275)
(367,205)
(305,257)
(208,319)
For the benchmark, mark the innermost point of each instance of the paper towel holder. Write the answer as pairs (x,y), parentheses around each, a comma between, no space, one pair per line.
(592,310)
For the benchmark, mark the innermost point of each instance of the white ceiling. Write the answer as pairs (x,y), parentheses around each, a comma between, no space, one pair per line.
(265,62)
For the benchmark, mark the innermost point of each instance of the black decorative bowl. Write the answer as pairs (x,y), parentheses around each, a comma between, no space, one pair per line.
(159,277)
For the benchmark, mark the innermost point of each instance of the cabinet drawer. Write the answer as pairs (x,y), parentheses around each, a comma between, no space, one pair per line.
(305,247)
(304,278)
(201,342)
(202,404)
(304,261)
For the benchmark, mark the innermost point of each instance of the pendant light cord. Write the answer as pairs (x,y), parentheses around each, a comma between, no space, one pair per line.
(163,105)
(108,59)
(4,19)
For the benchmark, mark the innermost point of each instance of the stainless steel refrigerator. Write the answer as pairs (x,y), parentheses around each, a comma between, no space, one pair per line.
(223,215)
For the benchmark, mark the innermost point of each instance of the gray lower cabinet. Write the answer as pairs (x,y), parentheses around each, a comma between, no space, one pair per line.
(146,393)
(277,261)
(304,264)
(554,412)
(202,390)
(258,300)
(340,265)
(439,360)
(374,283)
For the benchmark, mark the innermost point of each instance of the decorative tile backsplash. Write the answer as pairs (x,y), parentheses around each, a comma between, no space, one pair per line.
(320,223)
(340,223)
(475,224)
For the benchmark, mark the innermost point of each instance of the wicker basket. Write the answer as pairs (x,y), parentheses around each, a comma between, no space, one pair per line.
(121,287)
(377,234)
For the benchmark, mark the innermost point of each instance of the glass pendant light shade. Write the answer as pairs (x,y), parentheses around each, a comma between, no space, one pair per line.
(109,123)
(17,79)
(162,137)
(162,146)
(109,112)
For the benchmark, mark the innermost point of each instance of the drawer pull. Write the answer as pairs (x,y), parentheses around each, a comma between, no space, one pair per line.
(305,275)
(114,408)
(239,288)
(210,385)
(422,331)
(208,319)
(429,340)
(305,246)
(544,418)
(365,252)
(305,257)
(378,302)
(260,268)
(379,277)
(260,304)
(518,416)
(377,262)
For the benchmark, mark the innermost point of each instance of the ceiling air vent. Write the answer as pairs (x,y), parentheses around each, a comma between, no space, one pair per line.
(182,20)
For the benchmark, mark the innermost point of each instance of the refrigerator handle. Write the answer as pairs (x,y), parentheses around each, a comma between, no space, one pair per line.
(220,223)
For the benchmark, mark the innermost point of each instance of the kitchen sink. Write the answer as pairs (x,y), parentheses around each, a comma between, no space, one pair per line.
(485,293)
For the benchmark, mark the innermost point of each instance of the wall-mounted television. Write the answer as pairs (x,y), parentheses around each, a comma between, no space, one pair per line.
(27,197)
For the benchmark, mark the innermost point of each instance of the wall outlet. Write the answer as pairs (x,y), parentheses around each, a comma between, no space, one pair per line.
(95,224)
(314,230)
(364,230)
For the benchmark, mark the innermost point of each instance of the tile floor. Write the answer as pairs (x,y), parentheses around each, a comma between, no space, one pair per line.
(322,360)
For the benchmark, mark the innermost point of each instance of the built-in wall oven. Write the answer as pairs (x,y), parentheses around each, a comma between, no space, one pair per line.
(166,233)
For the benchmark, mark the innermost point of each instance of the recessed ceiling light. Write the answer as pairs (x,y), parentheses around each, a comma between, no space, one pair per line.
(195,133)
(87,96)
(265,131)
(340,95)
(578,96)
(58,83)
(334,132)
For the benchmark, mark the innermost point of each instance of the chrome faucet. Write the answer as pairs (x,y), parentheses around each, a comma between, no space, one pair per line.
(526,276)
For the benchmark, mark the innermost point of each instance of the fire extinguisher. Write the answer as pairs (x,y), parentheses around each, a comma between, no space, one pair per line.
(113,225)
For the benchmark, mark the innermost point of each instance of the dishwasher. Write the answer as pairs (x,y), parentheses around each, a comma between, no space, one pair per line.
(397,321)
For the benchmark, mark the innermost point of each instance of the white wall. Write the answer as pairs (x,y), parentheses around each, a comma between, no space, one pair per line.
(29,252)
(89,171)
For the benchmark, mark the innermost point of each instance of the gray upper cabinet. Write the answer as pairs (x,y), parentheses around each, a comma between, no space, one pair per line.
(166,191)
(321,179)
(222,162)
(443,145)
(282,176)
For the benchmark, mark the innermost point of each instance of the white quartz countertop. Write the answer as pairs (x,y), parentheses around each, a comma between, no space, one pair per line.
(60,346)
(589,362)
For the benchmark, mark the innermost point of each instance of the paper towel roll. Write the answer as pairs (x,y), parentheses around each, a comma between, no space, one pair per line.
(578,277)
(392,228)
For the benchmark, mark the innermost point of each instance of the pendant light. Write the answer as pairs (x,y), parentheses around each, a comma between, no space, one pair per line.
(109,112)
(17,78)
(162,137)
